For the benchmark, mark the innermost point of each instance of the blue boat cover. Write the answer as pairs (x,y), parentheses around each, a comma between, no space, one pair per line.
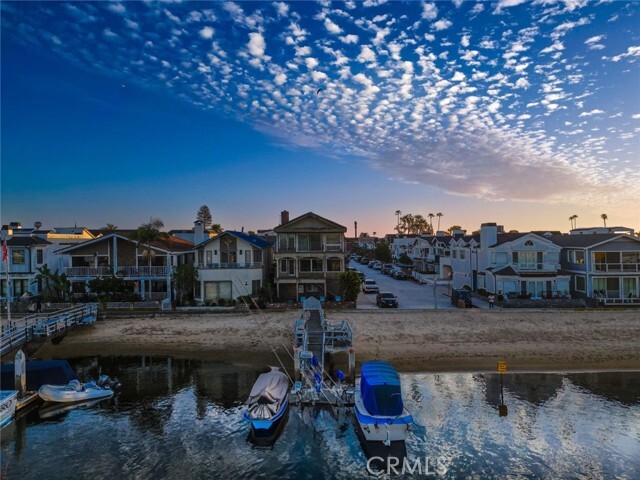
(380,389)
(39,372)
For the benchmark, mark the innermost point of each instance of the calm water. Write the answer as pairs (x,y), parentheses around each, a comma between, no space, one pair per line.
(182,419)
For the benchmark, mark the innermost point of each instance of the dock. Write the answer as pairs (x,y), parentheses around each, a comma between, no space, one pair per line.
(315,343)
(43,325)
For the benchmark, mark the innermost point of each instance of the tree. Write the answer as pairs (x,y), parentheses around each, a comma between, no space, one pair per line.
(404,259)
(604,218)
(204,214)
(573,219)
(413,224)
(111,227)
(382,253)
(145,235)
(350,285)
(454,227)
(431,215)
(55,286)
(111,288)
(398,213)
(185,279)
(439,215)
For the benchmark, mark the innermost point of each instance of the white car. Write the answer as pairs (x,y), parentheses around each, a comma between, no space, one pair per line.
(370,286)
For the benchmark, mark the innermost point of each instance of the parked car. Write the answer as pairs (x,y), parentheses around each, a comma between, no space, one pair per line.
(370,286)
(386,299)
(399,275)
(461,294)
(364,261)
(371,263)
(386,268)
(377,266)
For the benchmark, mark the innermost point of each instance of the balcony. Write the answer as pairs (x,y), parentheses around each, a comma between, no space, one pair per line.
(311,249)
(219,266)
(126,271)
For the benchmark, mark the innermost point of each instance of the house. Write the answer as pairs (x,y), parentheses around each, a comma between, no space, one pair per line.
(25,254)
(603,266)
(310,256)
(149,268)
(197,235)
(515,264)
(232,264)
(401,244)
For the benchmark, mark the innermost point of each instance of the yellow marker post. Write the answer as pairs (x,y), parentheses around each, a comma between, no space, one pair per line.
(502,367)
(502,408)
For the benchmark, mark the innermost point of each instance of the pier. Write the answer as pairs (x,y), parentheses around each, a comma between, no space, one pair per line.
(315,342)
(43,325)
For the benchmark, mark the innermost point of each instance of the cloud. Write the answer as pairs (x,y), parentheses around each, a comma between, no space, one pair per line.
(366,55)
(632,52)
(351,38)
(206,33)
(256,44)
(442,24)
(595,39)
(429,11)
(592,112)
(332,27)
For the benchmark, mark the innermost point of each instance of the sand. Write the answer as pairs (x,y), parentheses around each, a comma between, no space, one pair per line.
(430,341)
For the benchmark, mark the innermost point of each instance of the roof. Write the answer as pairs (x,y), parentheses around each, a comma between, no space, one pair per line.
(26,241)
(586,241)
(252,239)
(508,237)
(332,224)
(105,231)
(168,244)
(505,271)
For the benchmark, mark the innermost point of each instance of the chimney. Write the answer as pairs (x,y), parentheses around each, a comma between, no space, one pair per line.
(198,232)
(284,217)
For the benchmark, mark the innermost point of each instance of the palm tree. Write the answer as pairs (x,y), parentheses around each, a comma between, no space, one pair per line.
(439,215)
(431,215)
(604,219)
(398,213)
(573,219)
(111,227)
(146,234)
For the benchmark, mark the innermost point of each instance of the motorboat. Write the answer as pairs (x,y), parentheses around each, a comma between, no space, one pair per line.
(378,406)
(8,402)
(75,391)
(268,401)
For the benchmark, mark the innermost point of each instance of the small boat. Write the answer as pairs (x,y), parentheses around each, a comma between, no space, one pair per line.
(8,402)
(268,401)
(75,391)
(378,404)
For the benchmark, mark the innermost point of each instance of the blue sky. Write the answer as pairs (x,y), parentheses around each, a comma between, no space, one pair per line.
(523,113)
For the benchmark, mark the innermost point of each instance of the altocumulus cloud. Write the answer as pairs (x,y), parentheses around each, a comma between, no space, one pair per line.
(501,100)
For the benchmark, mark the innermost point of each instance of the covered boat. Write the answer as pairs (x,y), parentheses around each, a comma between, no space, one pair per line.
(268,400)
(75,391)
(8,402)
(378,404)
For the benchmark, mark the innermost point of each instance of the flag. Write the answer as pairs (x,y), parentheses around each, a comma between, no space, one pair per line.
(4,251)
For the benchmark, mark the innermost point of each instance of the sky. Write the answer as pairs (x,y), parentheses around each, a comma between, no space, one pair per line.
(520,113)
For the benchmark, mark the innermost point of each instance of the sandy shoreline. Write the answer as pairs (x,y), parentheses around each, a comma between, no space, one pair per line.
(443,341)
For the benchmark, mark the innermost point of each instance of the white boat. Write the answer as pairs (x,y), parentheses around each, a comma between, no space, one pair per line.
(75,391)
(378,404)
(8,402)
(267,401)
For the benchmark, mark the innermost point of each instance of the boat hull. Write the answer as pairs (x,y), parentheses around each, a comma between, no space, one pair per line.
(266,424)
(61,393)
(381,428)
(8,402)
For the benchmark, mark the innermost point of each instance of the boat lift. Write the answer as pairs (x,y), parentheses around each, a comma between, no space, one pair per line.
(315,342)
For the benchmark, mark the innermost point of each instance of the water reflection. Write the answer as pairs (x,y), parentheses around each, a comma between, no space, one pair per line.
(183,419)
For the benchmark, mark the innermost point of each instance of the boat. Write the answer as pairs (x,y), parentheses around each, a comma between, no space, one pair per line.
(268,401)
(8,402)
(378,406)
(75,391)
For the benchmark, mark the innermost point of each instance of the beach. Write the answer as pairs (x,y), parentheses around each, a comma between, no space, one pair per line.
(438,341)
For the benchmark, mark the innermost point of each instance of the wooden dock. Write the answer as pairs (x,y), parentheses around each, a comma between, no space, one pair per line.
(21,330)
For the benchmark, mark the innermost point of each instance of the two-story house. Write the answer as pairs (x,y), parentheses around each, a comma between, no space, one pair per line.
(310,256)
(520,264)
(149,268)
(25,254)
(604,266)
(232,264)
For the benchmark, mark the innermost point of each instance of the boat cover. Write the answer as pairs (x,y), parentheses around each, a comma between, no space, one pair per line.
(380,389)
(268,394)
(40,372)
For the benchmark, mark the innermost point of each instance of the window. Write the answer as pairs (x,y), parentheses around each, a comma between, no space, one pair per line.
(333,265)
(580,283)
(257,255)
(20,286)
(333,242)
(288,266)
(514,256)
(310,265)
(17,257)
(217,290)
(528,243)
(209,256)
(39,256)
(309,242)
(463,254)
(576,256)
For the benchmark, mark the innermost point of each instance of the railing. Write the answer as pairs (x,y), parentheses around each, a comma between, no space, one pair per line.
(23,329)
(616,267)
(338,333)
(127,271)
(216,266)
(313,249)
(622,301)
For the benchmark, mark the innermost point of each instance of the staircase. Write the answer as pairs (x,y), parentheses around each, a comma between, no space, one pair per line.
(315,337)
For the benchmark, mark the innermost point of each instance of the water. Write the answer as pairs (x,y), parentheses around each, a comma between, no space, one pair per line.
(182,419)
